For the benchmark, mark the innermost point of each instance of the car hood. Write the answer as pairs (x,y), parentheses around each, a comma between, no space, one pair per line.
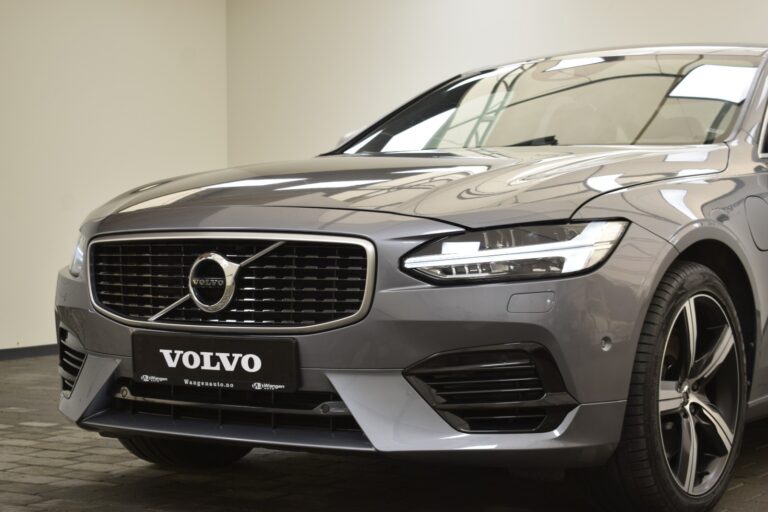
(472,189)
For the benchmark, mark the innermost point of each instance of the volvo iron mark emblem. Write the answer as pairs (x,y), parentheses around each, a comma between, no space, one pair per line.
(212,282)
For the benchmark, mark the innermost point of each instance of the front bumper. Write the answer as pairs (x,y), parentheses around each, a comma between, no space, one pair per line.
(590,328)
(396,421)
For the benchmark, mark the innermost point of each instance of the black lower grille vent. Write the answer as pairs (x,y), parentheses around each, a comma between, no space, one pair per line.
(70,363)
(504,388)
(318,410)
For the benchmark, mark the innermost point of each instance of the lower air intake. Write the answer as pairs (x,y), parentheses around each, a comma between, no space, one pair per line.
(70,362)
(513,388)
(315,410)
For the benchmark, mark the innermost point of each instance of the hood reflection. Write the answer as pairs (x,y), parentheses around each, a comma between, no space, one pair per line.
(513,185)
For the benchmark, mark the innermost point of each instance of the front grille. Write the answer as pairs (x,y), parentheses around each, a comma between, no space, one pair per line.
(70,362)
(299,284)
(512,388)
(315,410)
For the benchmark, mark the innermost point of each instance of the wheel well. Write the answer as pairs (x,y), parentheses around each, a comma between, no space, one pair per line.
(724,262)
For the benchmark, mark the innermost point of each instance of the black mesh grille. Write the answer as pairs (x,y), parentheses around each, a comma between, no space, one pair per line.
(508,388)
(297,284)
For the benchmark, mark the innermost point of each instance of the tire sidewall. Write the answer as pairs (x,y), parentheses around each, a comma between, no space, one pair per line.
(691,284)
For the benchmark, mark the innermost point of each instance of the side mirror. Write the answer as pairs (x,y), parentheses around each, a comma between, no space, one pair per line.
(348,137)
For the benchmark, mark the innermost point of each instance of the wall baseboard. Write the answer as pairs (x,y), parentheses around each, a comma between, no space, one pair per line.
(22,352)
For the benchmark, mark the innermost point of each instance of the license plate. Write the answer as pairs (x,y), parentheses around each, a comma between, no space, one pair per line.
(216,362)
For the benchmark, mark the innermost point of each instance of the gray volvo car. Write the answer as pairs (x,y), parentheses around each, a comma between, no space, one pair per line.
(558,263)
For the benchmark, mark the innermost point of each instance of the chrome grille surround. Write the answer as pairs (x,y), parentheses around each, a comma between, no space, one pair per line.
(222,236)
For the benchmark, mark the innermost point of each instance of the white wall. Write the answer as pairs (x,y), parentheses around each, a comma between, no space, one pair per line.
(96,96)
(301,73)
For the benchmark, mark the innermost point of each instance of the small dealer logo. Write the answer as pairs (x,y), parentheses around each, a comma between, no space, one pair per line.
(263,386)
(153,379)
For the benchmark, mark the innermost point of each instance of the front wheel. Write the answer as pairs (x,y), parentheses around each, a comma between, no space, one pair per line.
(183,454)
(686,407)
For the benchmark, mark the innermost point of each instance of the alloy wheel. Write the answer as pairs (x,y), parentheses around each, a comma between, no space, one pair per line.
(699,393)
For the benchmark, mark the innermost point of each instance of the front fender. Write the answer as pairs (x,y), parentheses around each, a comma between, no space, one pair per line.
(689,211)
(685,212)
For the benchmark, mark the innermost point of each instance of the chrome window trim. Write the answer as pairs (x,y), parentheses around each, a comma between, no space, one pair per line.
(758,97)
(762,140)
(370,276)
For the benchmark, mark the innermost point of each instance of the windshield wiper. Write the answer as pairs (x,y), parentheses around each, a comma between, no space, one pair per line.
(548,140)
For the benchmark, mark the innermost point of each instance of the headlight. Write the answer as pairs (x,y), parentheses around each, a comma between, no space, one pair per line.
(523,252)
(76,266)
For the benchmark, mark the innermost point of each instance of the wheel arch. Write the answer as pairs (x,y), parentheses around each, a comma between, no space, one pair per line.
(712,227)
(727,260)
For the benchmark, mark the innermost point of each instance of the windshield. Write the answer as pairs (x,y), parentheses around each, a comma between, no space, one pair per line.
(636,99)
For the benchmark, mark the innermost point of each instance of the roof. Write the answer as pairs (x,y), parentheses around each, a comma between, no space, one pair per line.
(682,49)
(672,49)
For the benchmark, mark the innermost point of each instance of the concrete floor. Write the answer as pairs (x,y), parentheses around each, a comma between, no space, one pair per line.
(48,464)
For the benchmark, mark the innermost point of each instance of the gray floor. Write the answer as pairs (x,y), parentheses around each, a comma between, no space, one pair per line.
(47,464)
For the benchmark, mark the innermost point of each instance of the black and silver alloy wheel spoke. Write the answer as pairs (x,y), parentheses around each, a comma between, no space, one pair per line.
(715,357)
(670,397)
(715,425)
(692,333)
(698,394)
(689,454)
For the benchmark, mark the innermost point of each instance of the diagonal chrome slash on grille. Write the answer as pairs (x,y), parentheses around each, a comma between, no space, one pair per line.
(260,254)
(245,263)
(169,308)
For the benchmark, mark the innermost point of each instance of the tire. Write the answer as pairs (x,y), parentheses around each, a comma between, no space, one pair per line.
(183,454)
(646,472)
